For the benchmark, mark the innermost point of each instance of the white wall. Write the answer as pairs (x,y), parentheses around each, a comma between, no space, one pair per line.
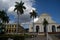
(41,27)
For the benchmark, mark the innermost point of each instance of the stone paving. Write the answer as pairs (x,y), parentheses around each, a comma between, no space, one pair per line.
(41,37)
(54,36)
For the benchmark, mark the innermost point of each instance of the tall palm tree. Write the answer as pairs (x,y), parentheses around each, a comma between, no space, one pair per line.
(33,15)
(45,23)
(19,7)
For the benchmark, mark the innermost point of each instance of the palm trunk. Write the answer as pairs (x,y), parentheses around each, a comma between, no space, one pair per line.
(33,28)
(33,24)
(17,23)
(47,32)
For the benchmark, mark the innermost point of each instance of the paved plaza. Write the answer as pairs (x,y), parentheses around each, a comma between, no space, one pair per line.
(42,37)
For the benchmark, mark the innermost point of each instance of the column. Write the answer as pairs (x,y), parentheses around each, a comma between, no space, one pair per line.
(14,28)
(11,28)
(8,28)
(56,29)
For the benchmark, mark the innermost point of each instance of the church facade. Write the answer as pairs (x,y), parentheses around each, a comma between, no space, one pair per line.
(51,27)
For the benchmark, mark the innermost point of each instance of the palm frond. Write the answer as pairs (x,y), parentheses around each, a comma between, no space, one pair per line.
(5,19)
(3,16)
(15,9)
(45,22)
(33,14)
(22,3)
(24,7)
(19,7)
(21,11)
(17,3)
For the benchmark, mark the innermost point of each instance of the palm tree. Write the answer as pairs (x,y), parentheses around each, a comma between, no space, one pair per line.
(45,23)
(2,14)
(33,15)
(4,18)
(19,7)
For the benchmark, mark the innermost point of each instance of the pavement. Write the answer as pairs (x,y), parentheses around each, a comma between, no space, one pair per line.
(55,36)
(40,37)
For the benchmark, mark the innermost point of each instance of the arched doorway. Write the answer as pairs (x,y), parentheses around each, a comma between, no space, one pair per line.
(37,28)
(53,28)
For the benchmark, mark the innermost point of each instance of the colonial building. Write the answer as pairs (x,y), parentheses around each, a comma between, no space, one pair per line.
(11,28)
(51,27)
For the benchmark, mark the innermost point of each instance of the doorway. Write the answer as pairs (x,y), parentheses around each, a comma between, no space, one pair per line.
(53,28)
(37,28)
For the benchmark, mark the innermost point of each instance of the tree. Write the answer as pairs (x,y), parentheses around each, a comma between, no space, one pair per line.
(19,7)
(45,23)
(33,15)
(3,18)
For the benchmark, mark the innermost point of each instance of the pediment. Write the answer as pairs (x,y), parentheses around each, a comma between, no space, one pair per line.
(45,16)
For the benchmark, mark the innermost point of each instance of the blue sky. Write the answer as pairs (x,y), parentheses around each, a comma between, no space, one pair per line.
(52,7)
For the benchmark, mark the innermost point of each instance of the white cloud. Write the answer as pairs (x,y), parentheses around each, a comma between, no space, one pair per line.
(36,19)
(4,0)
(11,9)
(9,5)
(11,22)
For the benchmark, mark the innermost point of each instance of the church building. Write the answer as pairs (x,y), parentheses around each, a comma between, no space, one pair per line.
(51,27)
